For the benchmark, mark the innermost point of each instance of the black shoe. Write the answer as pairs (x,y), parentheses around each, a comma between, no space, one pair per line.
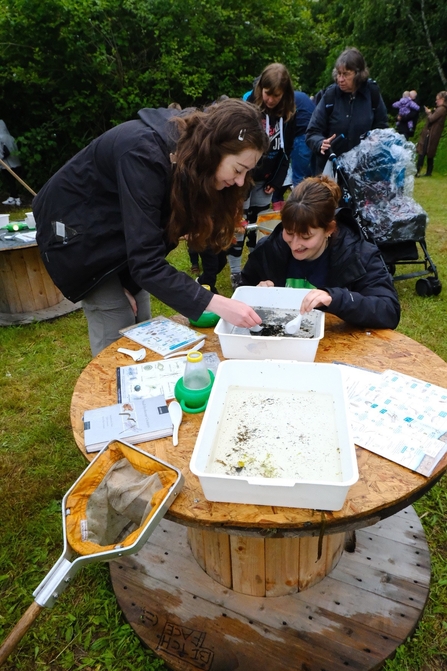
(236,280)
(427,174)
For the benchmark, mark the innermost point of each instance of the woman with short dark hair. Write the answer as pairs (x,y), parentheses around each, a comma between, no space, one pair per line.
(350,107)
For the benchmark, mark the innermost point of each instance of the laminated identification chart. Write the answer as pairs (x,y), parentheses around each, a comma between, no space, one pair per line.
(144,380)
(162,335)
(397,416)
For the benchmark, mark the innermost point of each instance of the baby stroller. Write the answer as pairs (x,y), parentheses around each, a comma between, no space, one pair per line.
(377,180)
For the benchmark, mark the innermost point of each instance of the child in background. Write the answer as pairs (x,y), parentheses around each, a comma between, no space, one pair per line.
(319,247)
(405,105)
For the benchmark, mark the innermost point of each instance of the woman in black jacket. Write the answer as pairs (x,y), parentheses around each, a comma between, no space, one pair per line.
(321,249)
(350,107)
(107,219)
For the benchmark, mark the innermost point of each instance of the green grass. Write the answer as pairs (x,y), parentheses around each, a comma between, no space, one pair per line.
(39,460)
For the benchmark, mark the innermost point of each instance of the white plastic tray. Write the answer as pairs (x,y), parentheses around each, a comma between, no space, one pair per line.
(282,375)
(239,346)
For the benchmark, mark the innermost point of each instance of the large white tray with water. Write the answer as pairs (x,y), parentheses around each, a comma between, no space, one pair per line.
(276,433)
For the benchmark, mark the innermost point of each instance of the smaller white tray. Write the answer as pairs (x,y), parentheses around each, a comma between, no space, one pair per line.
(246,346)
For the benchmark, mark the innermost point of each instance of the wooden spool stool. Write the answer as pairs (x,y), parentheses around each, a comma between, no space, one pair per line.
(265,566)
(25,285)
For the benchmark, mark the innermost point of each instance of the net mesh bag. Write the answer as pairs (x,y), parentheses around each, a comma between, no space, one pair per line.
(115,499)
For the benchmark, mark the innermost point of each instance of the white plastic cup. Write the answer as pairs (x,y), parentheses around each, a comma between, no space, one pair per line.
(196,375)
(4,220)
(29,220)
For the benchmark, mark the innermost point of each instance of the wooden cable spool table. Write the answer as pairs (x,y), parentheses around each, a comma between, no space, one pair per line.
(25,285)
(223,586)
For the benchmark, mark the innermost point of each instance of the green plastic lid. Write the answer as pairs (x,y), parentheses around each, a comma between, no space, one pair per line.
(206,320)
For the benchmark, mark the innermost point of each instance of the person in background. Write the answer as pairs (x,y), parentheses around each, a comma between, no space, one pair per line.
(212,264)
(9,154)
(350,107)
(414,116)
(273,95)
(301,153)
(300,158)
(431,134)
(279,194)
(107,219)
(321,248)
(405,106)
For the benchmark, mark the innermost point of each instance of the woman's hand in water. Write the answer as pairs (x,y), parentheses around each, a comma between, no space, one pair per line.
(265,283)
(315,299)
(234,312)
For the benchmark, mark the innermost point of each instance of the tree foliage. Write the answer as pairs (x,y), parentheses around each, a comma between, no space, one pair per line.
(70,69)
(401,52)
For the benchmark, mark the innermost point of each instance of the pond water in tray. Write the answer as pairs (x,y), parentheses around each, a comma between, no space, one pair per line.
(275,319)
(274,433)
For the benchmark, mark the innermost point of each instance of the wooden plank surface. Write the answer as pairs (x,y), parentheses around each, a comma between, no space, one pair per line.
(355,618)
(25,285)
(282,566)
(383,489)
(248,565)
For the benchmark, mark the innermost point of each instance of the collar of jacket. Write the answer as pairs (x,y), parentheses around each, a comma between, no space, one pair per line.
(360,91)
(158,120)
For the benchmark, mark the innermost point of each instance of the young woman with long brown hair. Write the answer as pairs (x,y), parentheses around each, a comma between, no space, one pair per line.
(107,219)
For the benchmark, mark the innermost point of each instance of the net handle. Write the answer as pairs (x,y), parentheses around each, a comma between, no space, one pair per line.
(19,631)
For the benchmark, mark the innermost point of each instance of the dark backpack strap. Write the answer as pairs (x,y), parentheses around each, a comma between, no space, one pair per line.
(375,93)
(329,98)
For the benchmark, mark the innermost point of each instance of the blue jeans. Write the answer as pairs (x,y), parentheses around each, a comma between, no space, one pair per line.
(300,159)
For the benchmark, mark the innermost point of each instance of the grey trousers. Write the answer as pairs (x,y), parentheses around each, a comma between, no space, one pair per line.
(108,310)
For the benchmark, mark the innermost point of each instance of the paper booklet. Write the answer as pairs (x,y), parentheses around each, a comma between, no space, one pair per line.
(397,416)
(135,422)
(162,335)
(143,380)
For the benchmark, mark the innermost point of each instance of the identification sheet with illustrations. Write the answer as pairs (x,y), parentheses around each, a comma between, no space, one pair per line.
(143,380)
(397,416)
(162,335)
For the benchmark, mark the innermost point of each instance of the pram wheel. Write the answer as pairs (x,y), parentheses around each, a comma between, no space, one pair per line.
(435,285)
(429,286)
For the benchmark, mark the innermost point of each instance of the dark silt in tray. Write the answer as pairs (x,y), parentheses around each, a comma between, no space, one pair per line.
(275,319)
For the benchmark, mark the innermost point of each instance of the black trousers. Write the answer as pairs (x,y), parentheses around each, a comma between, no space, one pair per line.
(430,163)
